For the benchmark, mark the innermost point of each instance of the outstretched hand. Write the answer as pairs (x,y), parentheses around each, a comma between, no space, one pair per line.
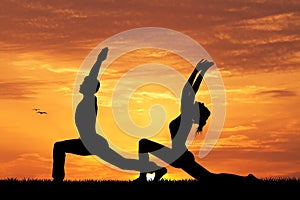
(103,54)
(204,65)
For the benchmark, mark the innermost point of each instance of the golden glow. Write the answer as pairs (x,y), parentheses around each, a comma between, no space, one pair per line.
(44,44)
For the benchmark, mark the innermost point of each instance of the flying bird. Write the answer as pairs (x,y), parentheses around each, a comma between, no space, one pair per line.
(37,110)
(41,112)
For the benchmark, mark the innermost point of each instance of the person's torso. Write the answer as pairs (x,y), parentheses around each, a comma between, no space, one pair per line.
(85,115)
(179,130)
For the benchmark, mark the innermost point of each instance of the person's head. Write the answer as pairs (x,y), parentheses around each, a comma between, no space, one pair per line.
(89,86)
(200,115)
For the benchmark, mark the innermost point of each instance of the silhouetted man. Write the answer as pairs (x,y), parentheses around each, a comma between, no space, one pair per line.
(85,119)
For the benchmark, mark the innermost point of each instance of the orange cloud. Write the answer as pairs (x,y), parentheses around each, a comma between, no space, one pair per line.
(254,43)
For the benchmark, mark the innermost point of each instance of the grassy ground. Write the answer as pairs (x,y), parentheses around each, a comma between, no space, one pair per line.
(45,189)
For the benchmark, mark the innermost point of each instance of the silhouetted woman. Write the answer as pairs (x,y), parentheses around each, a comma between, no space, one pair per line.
(178,156)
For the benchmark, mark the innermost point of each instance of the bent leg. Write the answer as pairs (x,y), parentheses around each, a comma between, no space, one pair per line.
(164,153)
(114,158)
(60,149)
(148,146)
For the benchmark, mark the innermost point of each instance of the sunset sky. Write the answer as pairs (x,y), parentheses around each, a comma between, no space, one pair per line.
(255,45)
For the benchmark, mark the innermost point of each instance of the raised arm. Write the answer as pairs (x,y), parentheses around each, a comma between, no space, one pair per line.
(202,67)
(191,87)
(96,67)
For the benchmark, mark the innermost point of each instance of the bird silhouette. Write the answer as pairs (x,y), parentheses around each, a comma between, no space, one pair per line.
(38,110)
(41,112)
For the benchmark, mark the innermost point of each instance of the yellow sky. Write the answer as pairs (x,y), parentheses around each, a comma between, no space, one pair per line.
(256,51)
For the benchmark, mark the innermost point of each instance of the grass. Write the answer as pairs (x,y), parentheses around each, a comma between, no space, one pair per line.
(31,188)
